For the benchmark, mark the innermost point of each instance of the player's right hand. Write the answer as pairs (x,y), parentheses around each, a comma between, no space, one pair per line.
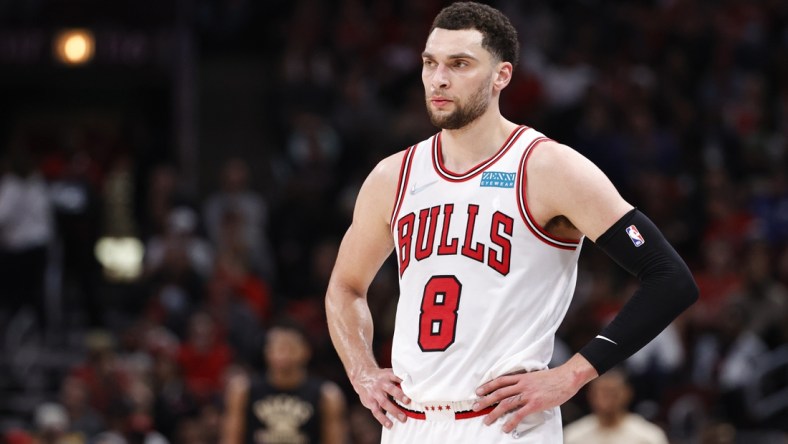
(375,388)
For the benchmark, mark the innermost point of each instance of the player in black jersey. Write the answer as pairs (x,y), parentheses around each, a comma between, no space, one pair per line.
(284,405)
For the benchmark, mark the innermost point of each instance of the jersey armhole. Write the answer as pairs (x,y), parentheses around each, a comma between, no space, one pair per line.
(402,184)
(522,204)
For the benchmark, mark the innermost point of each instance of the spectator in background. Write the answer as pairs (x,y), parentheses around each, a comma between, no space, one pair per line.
(173,402)
(74,183)
(236,204)
(129,427)
(725,359)
(17,436)
(162,194)
(26,230)
(286,404)
(765,297)
(177,265)
(234,268)
(719,278)
(107,382)
(204,358)
(234,315)
(83,418)
(53,427)
(610,421)
(180,237)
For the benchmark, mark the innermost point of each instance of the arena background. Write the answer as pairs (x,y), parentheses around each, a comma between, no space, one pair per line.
(184,108)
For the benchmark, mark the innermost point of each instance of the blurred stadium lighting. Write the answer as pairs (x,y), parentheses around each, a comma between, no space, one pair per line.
(74,46)
(121,257)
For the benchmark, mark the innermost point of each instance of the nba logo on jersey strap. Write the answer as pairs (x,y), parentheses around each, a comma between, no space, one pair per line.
(497,179)
(635,235)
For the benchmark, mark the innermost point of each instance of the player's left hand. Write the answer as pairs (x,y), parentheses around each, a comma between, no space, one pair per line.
(527,393)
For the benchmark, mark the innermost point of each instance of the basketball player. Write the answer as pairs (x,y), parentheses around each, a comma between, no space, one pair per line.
(287,406)
(487,218)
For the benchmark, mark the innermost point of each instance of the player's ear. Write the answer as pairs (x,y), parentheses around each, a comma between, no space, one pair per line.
(503,75)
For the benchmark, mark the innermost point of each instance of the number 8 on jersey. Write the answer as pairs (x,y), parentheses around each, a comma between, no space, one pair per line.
(438,320)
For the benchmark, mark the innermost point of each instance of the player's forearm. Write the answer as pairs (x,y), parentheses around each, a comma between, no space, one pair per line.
(351,328)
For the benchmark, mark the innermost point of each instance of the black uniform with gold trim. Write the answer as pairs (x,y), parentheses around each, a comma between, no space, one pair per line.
(276,416)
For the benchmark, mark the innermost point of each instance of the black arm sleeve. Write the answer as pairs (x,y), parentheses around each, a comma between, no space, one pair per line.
(666,289)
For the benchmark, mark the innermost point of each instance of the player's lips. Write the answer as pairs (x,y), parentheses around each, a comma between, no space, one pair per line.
(439,101)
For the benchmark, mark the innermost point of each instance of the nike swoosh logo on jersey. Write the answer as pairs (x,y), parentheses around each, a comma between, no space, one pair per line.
(414,189)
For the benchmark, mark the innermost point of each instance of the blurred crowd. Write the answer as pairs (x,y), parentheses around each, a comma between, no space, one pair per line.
(683,103)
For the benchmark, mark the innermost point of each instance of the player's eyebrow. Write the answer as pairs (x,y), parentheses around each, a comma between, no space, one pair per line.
(459,55)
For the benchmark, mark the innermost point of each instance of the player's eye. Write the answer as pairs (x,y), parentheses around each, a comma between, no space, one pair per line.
(460,63)
(429,63)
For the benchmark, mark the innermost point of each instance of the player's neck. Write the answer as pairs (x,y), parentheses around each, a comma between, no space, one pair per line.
(286,379)
(476,142)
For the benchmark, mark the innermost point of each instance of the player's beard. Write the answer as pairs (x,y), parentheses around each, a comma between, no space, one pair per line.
(463,113)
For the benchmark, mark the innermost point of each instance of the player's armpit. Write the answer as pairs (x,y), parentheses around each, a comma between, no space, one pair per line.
(666,289)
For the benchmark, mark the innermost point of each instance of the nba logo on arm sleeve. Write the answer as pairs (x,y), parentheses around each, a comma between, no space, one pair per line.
(635,235)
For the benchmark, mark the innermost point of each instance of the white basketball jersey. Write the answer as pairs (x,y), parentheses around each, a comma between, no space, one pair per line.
(483,288)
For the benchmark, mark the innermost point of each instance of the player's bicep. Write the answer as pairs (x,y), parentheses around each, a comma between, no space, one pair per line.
(577,189)
(361,253)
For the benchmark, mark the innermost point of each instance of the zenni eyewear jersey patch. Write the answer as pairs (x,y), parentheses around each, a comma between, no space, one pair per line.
(497,179)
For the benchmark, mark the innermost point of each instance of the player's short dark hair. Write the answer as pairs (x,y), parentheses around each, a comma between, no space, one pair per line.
(498,34)
(290,324)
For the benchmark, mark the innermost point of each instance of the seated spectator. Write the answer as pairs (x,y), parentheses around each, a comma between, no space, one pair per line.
(249,213)
(52,426)
(84,419)
(106,380)
(177,265)
(203,358)
(180,237)
(610,421)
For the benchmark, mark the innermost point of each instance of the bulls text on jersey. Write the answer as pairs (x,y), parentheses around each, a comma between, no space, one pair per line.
(497,254)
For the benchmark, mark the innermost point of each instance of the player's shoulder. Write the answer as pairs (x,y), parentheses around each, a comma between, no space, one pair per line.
(391,165)
(387,171)
(552,164)
(553,156)
(377,193)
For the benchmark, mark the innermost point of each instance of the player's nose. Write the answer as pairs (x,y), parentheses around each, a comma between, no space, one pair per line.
(440,77)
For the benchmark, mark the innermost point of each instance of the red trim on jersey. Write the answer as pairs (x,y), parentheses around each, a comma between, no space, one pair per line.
(472,414)
(402,184)
(522,204)
(411,413)
(437,158)
(466,414)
